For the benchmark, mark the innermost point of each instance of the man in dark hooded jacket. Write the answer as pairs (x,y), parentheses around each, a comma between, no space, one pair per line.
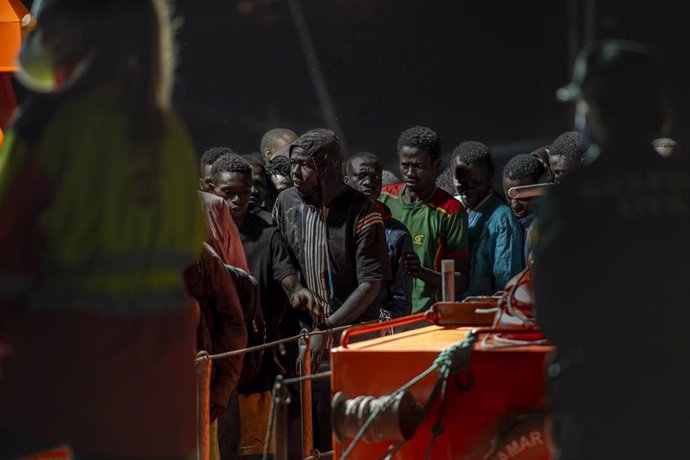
(336,236)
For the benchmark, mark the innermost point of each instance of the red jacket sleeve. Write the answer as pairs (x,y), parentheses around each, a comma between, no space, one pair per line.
(222,326)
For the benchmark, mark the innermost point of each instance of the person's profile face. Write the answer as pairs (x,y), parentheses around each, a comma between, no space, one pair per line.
(472,182)
(364,174)
(417,168)
(206,180)
(561,166)
(236,189)
(303,171)
(520,207)
(259,186)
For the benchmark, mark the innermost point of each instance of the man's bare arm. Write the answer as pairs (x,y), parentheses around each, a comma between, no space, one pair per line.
(355,305)
(433,278)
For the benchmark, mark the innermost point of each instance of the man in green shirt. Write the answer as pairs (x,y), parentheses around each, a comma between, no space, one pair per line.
(436,220)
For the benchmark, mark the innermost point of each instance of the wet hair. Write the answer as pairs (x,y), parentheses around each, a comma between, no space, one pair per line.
(322,145)
(570,144)
(444,181)
(363,155)
(255,159)
(278,166)
(211,155)
(389,178)
(524,166)
(473,153)
(231,163)
(421,137)
(274,135)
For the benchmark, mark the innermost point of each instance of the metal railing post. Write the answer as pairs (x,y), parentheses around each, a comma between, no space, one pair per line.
(203,404)
(448,280)
(305,397)
(281,399)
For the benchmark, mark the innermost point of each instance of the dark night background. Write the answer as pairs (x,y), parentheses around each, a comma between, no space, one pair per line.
(483,70)
(469,70)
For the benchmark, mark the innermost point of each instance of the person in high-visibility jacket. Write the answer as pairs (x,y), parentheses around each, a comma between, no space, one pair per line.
(98,218)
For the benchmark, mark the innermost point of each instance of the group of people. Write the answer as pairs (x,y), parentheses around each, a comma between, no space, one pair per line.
(357,247)
(98,218)
(330,244)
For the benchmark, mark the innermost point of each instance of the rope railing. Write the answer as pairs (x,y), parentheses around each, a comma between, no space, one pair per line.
(282,399)
(274,343)
(320,375)
(318,455)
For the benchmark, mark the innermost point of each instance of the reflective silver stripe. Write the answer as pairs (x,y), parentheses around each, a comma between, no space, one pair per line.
(128,304)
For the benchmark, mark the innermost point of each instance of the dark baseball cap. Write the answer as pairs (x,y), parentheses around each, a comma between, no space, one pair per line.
(614,70)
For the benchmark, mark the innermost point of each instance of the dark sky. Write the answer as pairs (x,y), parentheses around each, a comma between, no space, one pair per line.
(484,70)
(470,69)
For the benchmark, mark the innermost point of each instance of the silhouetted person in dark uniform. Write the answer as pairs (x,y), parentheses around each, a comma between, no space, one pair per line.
(610,266)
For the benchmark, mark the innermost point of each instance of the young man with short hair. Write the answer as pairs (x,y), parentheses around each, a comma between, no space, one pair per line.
(206,162)
(566,154)
(260,182)
(364,174)
(320,210)
(269,262)
(523,169)
(264,246)
(496,244)
(436,221)
(274,142)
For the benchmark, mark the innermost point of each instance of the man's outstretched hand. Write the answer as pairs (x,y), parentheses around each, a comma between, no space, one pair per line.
(303,299)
